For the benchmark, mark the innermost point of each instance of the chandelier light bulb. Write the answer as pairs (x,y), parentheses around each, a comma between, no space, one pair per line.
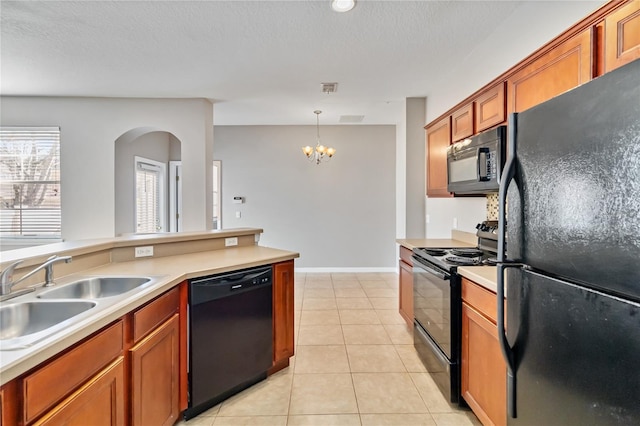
(320,152)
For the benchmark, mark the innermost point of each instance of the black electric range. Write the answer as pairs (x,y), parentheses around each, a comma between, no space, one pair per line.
(437,305)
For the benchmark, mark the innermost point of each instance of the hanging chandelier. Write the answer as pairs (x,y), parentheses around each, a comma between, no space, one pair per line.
(320,153)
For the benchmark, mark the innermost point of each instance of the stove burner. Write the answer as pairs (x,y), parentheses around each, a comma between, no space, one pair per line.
(490,261)
(435,251)
(458,260)
(466,252)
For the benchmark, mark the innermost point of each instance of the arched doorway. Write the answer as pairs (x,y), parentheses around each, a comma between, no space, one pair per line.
(145,200)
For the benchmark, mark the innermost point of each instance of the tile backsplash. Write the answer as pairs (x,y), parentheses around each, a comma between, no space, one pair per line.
(492,206)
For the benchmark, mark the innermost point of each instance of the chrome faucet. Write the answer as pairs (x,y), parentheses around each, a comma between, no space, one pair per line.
(6,276)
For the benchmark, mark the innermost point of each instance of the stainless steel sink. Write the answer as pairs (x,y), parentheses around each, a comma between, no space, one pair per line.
(95,288)
(27,318)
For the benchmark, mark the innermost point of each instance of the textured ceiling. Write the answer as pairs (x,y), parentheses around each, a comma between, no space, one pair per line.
(260,62)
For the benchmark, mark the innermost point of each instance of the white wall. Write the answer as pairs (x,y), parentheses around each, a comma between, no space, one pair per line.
(415,168)
(88,130)
(339,215)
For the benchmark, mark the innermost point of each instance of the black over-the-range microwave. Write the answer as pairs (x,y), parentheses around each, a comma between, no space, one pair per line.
(474,165)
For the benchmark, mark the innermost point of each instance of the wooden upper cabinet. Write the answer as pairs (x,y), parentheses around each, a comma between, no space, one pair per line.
(622,36)
(491,107)
(438,139)
(564,67)
(462,123)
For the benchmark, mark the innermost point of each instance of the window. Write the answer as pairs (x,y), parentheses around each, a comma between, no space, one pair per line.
(150,195)
(217,223)
(30,183)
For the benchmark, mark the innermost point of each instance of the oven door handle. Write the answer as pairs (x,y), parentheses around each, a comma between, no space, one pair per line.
(429,269)
(427,340)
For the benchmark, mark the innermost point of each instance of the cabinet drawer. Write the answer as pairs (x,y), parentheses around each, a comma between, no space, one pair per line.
(48,385)
(99,402)
(405,254)
(480,298)
(155,313)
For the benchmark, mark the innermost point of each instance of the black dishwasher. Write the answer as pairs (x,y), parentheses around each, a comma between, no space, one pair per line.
(230,335)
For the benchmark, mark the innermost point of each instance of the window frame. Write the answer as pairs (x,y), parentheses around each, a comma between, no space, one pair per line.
(162,193)
(25,236)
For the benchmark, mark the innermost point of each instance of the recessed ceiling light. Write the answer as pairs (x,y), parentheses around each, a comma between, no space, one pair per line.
(342,5)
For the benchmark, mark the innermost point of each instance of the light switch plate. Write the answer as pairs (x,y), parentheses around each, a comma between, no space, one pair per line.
(144,251)
(233,241)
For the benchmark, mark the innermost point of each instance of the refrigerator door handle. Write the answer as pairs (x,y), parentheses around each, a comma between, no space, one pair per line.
(507,352)
(508,173)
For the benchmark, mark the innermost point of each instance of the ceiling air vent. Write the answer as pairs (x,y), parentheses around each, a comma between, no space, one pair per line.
(329,87)
(351,118)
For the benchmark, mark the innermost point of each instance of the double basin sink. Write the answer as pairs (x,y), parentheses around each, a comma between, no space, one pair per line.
(30,318)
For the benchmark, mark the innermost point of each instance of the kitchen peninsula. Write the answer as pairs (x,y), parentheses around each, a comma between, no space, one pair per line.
(101,353)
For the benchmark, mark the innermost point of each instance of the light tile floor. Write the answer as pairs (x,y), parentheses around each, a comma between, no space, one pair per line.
(355,364)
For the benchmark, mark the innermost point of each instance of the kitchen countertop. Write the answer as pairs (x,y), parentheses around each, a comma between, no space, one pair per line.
(433,243)
(458,239)
(170,270)
(34,255)
(486,276)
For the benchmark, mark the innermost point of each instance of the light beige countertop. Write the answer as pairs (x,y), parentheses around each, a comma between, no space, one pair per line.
(32,255)
(169,271)
(433,243)
(486,276)
(458,239)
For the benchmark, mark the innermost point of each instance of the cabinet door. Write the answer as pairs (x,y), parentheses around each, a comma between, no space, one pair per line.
(406,292)
(154,376)
(9,403)
(491,107)
(462,123)
(566,66)
(438,140)
(42,389)
(622,37)
(484,373)
(283,311)
(99,402)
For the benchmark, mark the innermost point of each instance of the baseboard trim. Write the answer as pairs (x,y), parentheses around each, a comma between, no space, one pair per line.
(346,270)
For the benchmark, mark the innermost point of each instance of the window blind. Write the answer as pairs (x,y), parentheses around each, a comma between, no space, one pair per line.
(30,182)
(147,197)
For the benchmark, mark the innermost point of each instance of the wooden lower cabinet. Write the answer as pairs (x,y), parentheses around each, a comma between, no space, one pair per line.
(99,402)
(42,388)
(9,403)
(484,372)
(155,370)
(283,314)
(406,286)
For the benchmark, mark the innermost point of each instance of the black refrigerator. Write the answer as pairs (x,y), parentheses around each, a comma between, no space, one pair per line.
(569,247)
